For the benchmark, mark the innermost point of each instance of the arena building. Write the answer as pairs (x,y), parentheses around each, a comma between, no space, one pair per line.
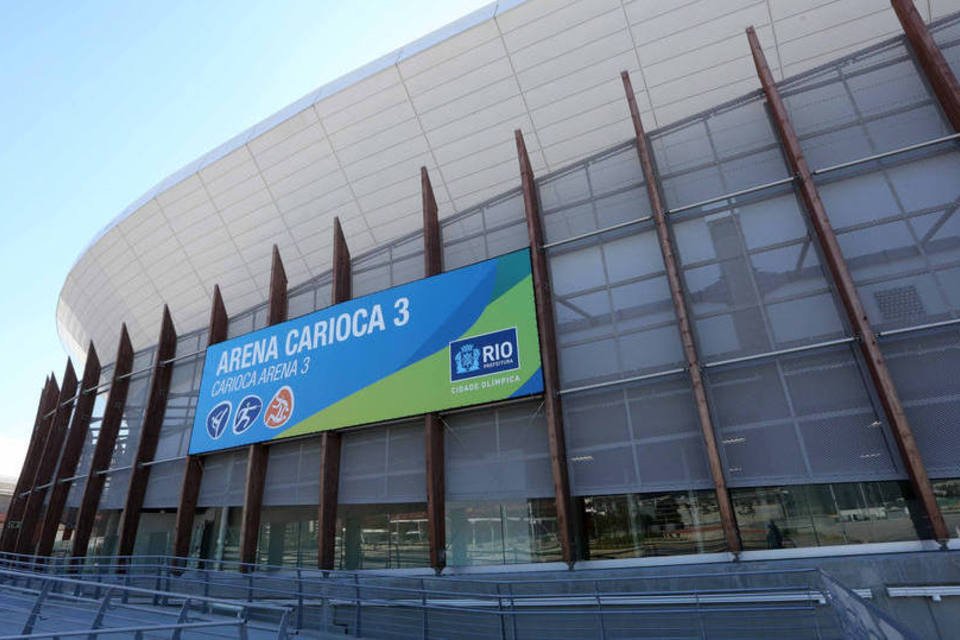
(744,270)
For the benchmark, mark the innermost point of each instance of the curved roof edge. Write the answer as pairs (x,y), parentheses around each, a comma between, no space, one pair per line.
(384,62)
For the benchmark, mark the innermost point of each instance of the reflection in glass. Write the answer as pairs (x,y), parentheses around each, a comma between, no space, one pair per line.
(637,525)
(103,537)
(288,536)
(487,533)
(948,497)
(819,515)
(155,532)
(382,536)
(216,534)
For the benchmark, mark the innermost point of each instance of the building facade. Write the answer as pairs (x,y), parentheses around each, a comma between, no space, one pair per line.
(729,375)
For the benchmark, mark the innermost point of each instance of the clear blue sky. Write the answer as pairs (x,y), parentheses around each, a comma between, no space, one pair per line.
(102,100)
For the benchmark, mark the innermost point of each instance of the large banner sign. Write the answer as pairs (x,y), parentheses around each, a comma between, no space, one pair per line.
(465,337)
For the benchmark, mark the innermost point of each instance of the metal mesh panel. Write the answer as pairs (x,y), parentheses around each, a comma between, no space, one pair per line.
(75,494)
(946,33)
(181,406)
(753,278)
(392,265)
(924,366)
(638,437)
(596,194)
(724,150)
(191,342)
(899,230)
(489,230)
(613,310)
(799,418)
(293,473)
(224,477)
(380,465)
(867,103)
(163,486)
(125,449)
(115,490)
(247,321)
(143,359)
(497,454)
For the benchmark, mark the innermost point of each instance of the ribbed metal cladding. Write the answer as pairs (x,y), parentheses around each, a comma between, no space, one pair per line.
(876,365)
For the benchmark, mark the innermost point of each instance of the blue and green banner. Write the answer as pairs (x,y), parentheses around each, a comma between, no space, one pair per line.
(461,338)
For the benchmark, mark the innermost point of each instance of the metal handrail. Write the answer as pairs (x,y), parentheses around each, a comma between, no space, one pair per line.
(225,624)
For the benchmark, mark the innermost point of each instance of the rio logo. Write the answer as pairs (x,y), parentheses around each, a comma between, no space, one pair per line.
(280,408)
(247,412)
(484,354)
(218,418)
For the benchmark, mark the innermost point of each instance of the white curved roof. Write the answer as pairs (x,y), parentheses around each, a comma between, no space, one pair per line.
(449,101)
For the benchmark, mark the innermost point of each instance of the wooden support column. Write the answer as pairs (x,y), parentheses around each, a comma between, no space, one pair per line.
(29,531)
(692,357)
(193,469)
(72,449)
(48,400)
(934,65)
(432,425)
(258,455)
(330,452)
(106,439)
(867,339)
(548,350)
(149,433)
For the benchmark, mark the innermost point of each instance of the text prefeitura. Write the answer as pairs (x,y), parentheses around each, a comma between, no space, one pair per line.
(338,328)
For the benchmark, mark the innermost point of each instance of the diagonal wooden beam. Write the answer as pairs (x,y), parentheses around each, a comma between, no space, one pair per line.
(52,446)
(330,440)
(149,433)
(48,399)
(432,425)
(106,439)
(193,469)
(258,455)
(727,518)
(850,299)
(543,298)
(72,448)
(935,67)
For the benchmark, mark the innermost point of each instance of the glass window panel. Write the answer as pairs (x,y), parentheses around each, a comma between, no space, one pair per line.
(382,536)
(640,525)
(485,532)
(785,517)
